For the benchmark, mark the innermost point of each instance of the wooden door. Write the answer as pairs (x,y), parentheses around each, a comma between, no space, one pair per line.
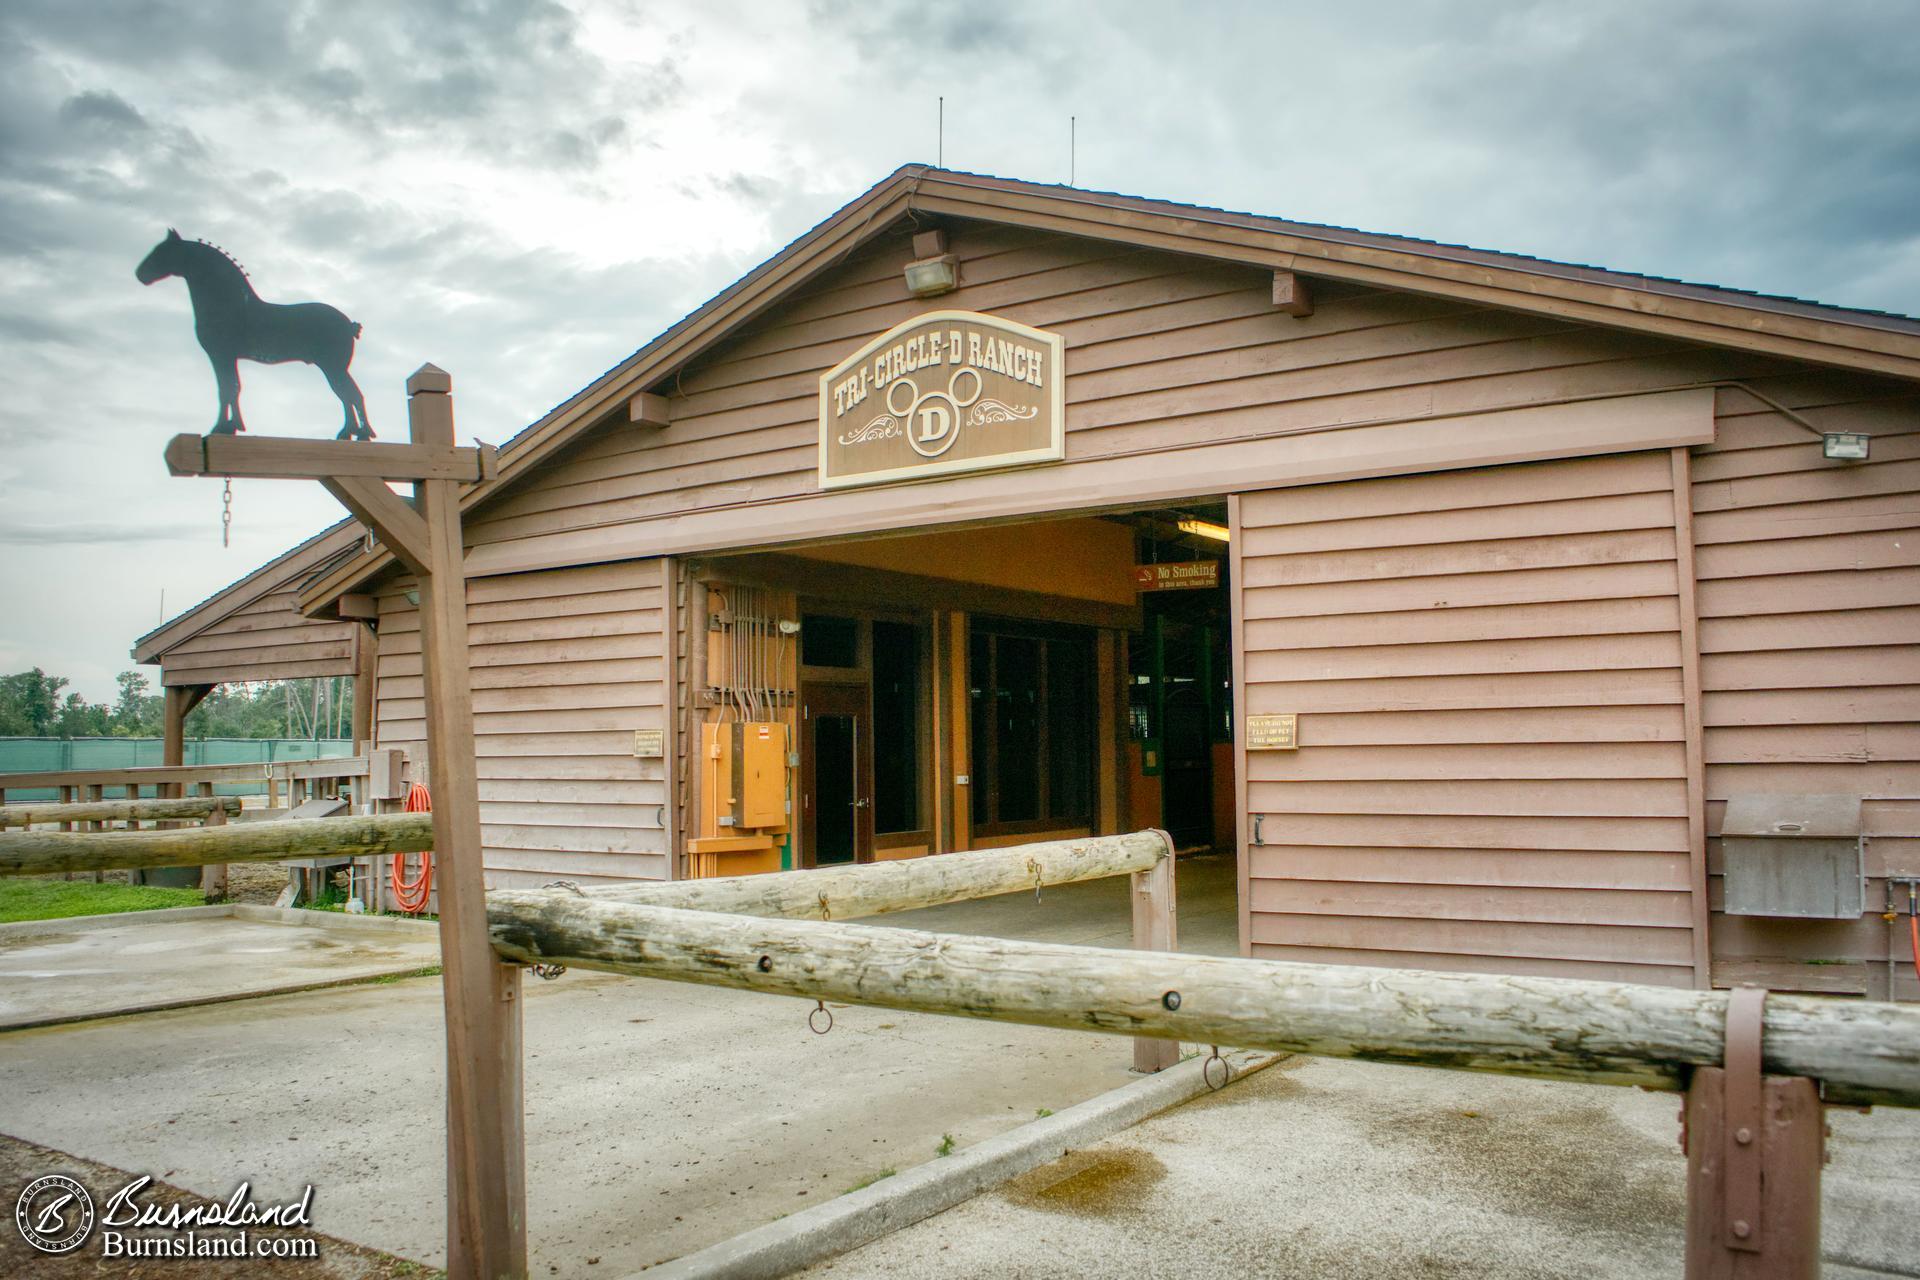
(836,775)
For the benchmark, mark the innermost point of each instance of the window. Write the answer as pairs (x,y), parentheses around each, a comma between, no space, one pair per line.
(896,727)
(827,641)
(1032,715)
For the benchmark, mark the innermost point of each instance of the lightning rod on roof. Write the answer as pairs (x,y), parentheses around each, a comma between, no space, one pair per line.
(1073,139)
(940,136)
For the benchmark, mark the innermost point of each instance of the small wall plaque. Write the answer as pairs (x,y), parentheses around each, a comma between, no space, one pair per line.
(650,744)
(1274,732)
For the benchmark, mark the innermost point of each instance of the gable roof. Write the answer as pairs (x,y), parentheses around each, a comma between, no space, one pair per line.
(1840,337)
(322,550)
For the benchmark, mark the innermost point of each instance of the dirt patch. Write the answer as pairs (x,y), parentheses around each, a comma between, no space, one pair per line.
(258,882)
(1088,1184)
(22,1162)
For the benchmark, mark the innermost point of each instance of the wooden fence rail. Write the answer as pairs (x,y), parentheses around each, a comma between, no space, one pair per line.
(51,852)
(24,815)
(844,893)
(1597,1032)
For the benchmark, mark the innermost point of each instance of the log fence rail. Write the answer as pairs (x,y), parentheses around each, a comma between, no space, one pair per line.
(1755,1068)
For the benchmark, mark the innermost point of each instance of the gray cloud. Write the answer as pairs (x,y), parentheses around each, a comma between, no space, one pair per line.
(524,191)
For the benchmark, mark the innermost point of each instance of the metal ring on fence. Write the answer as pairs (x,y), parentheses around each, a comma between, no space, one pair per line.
(1206,1069)
(547,972)
(813,1024)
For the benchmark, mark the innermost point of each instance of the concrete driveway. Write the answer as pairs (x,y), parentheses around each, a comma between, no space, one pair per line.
(1317,1169)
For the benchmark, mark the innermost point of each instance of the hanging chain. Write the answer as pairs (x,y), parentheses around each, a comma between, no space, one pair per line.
(226,514)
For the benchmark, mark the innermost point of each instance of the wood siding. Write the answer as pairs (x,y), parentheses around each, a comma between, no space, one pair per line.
(566,665)
(1809,600)
(1492,771)
(266,639)
(1163,353)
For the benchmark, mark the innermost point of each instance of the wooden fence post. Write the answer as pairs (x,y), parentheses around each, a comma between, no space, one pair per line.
(486,1159)
(1754,1145)
(1154,929)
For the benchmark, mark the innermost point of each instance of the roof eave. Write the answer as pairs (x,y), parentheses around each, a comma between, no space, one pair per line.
(1586,294)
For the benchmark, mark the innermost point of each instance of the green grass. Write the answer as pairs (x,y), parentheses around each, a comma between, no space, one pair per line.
(1044,1112)
(946,1145)
(60,899)
(867,1181)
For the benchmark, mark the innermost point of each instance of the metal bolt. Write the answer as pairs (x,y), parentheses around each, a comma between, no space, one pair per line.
(766,964)
(1171,1000)
(1743,1136)
(1741,1230)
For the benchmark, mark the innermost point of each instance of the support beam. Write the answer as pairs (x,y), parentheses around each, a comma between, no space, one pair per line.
(38,853)
(189,807)
(486,1159)
(845,893)
(1154,929)
(366,680)
(1291,295)
(274,458)
(1557,1028)
(385,512)
(649,410)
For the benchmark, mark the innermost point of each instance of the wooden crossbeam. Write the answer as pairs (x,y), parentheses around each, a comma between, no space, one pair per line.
(26,815)
(1864,1052)
(279,458)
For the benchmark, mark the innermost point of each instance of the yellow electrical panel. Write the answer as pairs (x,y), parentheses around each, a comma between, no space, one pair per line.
(760,775)
(743,798)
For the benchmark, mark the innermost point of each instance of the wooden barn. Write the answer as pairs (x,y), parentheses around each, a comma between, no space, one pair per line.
(1497,614)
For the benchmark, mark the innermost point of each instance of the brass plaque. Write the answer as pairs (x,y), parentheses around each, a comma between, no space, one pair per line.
(945,392)
(650,744)
(1273,732)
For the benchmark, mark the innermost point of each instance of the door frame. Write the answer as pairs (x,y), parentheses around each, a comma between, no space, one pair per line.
(837,698)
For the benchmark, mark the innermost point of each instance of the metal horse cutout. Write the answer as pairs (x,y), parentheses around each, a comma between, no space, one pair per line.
(234,323)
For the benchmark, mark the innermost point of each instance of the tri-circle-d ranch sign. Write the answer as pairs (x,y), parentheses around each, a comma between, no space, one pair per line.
(947,391)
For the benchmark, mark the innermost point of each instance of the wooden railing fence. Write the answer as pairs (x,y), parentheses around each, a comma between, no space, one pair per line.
(1756,1069)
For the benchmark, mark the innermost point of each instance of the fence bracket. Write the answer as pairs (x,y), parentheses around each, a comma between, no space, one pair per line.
(1754,1149)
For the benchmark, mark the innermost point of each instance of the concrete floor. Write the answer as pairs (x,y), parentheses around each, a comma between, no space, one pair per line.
(1321,1169)
(661,1118)
(80,969)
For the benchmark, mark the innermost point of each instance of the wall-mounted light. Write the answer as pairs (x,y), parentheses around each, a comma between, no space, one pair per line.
(1845,446)
(931,277)
(1206,529)
(413,598)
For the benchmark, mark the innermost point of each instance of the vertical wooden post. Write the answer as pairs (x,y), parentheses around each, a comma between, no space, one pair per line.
(1785,1238)
(366,667)
(213,876)
(1754,1145)
(1154,916)
(486,1161)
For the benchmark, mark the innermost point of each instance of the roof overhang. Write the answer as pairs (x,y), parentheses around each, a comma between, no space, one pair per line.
(1830,336)
(294,566)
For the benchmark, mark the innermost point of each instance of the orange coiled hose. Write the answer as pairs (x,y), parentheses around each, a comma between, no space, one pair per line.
(413,893)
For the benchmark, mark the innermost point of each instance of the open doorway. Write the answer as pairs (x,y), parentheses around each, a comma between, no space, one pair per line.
(1180,678)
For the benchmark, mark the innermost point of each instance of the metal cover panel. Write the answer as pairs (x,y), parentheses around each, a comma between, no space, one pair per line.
(1796,878)
(1792,816)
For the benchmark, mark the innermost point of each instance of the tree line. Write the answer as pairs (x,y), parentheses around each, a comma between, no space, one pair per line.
(34,704)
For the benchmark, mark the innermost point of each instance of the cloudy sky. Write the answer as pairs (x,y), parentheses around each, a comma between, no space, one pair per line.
(524,191)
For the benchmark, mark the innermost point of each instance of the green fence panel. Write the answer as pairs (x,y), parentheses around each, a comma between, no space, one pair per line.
(37,755)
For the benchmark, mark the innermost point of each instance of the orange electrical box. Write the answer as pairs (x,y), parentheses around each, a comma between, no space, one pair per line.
(760,775)
(744,791)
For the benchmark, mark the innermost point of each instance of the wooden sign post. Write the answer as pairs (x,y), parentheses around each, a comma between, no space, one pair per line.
(486,1148)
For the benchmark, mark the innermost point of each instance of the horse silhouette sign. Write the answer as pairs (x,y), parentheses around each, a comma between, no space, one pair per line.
(234,323)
